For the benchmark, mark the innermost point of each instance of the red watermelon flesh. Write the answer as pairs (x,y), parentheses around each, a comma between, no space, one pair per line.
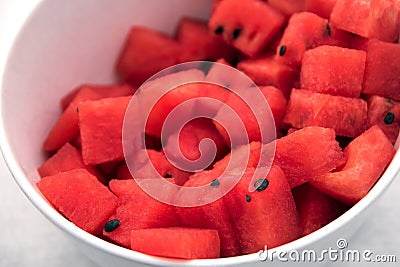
(368,18)
(307,153)
(367,157)
(101,129)
(243,24)
(305,31)
(378,108)
(347,116)
(67,126)
(211,216)
(137,210)
(198,43)
(382,71)
(145,53)
(79,196)
(315,208)
(183,243)
(270,70)
(189,139)
(288,7)
(322,8)
(322,71)
(266,216)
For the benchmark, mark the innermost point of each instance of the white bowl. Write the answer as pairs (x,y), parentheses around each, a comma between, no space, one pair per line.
(66,43)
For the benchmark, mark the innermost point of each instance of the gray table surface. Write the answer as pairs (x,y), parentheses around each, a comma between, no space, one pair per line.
(29,239)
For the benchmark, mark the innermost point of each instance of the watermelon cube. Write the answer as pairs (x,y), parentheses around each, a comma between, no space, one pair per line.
(270,71)
(67,126)
(210,216)
(182,243)
(198,43)
(347,116)
(382,71)
(322,8)
(315,208)
(101,129)
(244,24)
(378,109)
(138,210)
(288,7)
(367,157)
(369,18)
(145,53)
(265,217)
(80,197)
(323,71)
(307,153)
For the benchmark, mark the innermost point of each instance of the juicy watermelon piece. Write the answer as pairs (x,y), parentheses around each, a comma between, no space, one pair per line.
(67,126)
(367,157)
(382,71)
(101,129)
(187,142)
(369,18)
(347,116)
(198,43)
(270,71)
(243,24)
(288,7)
(67,158)
(378,108)
(306,31)
(266,216)
(315,208)
(322,8)
(322,71)
(211,216)
(145,53)
(183,243)
(137,210)
(80,197)
(307,153)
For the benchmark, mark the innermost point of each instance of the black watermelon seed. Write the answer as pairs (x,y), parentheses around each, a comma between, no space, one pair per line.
(248,198)
(261,184)
(328,29)
(168,175)
(77,109)
(219,30)
(389,118)
(112,225)
(282,50)
(236,33)
(215,183)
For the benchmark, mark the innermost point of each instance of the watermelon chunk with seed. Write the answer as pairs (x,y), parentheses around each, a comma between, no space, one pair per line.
(315,208)
(183,243)
(67,126)
(369,18)
(243,24)
(322,8)
(80,197)
(198,43)
(307,153)
(145,53)
(211,216)
(288,7)
(270,71)
(138,210)
(322,71)
(101,129)
(367,157)
(266,216)
(347,116)
(378,108)
(382,71)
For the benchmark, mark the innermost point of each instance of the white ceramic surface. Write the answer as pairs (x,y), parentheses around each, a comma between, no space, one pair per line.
(65,43)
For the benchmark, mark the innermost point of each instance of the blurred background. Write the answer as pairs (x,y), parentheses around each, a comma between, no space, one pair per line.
(28,239)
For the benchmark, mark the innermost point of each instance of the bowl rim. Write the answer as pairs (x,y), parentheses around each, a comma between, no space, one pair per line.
(68,227)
